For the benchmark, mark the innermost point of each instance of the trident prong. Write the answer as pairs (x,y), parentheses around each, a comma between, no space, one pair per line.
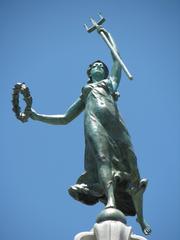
(95,24)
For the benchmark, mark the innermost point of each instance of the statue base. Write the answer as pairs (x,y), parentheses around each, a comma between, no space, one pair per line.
(110,225)
(112,214)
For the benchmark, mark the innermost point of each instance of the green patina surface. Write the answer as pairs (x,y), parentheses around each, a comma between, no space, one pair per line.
(111,174)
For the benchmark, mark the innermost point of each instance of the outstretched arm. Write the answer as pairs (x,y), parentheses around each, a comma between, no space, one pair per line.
(73,111)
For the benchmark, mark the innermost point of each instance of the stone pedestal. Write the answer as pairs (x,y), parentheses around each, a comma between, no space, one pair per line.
(109,230)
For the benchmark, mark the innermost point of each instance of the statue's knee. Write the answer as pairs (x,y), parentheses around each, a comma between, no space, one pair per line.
(101,158)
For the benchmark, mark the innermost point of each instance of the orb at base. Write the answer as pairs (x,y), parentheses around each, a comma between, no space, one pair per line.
(111,214)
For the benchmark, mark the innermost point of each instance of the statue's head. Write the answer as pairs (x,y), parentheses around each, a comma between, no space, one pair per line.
(97,70)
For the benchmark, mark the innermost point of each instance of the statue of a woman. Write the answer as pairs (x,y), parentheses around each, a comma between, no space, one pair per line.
(111,174)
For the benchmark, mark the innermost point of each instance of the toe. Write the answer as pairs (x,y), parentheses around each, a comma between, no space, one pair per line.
(147,230)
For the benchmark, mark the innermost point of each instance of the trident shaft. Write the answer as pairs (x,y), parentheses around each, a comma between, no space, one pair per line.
(95,25)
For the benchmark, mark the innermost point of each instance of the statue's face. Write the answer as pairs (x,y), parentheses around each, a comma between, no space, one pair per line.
(97,72)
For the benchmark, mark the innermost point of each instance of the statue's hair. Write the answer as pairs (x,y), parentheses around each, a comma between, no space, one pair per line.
(90,66)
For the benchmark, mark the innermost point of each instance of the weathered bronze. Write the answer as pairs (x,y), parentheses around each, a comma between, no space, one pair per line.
(111,174)
(97,26)
(21,88)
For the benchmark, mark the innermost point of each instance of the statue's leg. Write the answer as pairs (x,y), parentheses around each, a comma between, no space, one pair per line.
(137,197)
(100,146)
(106,179)
(138,187)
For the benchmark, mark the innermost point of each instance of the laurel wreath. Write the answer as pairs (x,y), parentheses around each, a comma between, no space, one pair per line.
(21,88)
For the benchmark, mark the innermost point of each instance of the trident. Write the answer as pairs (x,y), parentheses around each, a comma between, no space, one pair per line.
(95,25)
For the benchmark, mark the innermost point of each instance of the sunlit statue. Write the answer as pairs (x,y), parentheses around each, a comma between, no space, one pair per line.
(111,174)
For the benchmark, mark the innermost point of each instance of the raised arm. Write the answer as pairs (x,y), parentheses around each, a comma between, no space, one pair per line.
(73,111)
(116,68)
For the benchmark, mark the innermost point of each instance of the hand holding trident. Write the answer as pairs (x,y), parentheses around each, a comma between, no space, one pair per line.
(97,26)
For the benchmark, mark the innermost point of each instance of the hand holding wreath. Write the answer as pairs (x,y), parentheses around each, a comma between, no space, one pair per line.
(21,88)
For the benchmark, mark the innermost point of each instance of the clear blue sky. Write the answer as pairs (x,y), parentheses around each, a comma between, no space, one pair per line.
(44,44)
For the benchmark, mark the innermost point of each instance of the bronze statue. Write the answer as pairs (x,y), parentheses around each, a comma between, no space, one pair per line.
(111,174)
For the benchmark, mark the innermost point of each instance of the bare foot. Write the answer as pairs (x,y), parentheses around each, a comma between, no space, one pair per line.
(110,204)
(145,227)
